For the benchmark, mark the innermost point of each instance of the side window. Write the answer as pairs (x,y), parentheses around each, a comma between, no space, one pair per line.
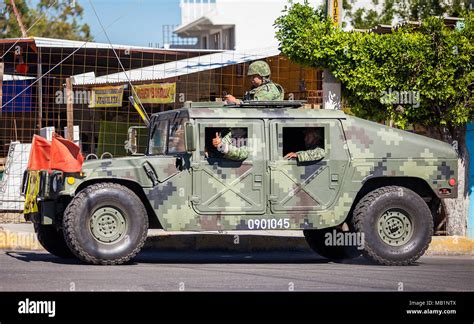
(236,138)
(176,135)
(296,139)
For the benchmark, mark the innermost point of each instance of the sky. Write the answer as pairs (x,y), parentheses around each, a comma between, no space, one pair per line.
(136,22)
(130,22)
(139,21)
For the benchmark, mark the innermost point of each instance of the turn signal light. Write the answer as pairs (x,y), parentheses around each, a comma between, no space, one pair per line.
(445,191)
(71,180)
(452,182)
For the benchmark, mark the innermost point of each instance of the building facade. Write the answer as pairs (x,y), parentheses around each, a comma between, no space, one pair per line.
(230,24)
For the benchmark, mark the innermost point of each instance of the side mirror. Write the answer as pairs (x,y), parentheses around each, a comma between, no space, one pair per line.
(189,141)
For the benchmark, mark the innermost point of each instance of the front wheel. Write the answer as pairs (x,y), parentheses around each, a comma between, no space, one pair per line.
(106,223)
(396,224)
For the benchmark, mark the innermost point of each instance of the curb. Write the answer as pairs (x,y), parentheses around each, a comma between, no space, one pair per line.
(451,245)
(13,240)
(440,245)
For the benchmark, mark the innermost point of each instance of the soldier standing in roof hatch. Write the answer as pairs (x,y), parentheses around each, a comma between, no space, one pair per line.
(263,89)
(313,151)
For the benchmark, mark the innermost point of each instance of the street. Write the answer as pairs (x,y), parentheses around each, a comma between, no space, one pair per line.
(227,271)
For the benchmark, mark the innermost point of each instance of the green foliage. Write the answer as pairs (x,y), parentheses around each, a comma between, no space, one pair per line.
(55,19)
(387,11)
(365,18)
(432,61)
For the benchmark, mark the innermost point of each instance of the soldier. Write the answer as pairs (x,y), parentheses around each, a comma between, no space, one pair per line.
(263,88)
(236,151)
(313,150)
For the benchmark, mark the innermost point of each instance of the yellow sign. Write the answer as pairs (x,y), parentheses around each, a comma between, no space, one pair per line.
(156,93)
(32,189)
(335,10)
(106,97)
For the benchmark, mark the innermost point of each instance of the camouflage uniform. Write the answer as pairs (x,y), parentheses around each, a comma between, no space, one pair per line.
(266,92)
(311,155)
(231,151)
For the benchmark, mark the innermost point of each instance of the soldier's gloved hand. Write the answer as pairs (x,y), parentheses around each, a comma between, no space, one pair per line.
(217,140)
(291,155)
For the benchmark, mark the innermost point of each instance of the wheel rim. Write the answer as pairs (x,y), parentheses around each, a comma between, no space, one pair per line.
(395,227)
(108,225)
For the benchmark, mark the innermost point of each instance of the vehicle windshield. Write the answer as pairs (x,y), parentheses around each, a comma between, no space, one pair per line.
(157,145)
(176,135)
(167,135)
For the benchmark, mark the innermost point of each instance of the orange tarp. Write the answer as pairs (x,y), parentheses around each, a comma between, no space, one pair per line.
(59,154)
(40,154)
(65,155)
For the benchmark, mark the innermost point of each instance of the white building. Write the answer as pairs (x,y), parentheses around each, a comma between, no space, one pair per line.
(232,24)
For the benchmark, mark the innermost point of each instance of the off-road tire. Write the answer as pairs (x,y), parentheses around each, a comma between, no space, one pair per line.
(52,239)
(78,220)
(316,240)
(369,211)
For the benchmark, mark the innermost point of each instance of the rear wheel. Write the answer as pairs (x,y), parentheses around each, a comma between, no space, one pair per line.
(326,242)
(52,239)
(396,223)
(106,223)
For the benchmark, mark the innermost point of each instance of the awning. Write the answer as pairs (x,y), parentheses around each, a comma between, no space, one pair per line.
(177,68)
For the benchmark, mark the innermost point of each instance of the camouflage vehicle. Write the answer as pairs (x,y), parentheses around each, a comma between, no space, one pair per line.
(381,183)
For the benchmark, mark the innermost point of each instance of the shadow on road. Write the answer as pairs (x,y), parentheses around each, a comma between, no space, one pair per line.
(40,257)
(200,257)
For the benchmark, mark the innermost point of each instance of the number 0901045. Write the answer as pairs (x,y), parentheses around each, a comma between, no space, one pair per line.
(268,223)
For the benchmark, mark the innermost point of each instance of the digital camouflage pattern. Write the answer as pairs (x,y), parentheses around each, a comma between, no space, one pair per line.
(195,193)
(268,91)
(311,155)
(260,68)
(232,151)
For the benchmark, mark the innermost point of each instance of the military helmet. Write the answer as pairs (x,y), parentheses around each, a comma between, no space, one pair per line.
(260,68)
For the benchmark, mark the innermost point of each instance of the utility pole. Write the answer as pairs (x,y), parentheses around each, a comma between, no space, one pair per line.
(18,18)
(70,110)
(331,86)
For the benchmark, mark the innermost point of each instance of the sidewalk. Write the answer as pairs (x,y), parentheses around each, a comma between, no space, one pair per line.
(22,237)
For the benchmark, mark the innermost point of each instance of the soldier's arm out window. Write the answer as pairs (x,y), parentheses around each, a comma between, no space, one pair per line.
(303,143)
(227,143)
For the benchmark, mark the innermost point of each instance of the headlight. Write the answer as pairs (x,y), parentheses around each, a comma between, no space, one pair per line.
(57,181)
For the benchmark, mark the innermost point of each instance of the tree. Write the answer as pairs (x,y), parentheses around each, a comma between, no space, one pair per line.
(398,10)
(365,18)
(55,19)
(432,61)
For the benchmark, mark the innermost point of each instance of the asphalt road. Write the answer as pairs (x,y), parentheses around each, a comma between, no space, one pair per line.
(218,271)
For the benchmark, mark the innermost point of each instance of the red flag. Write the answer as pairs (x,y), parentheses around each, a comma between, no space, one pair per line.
(40,154)
(65,155)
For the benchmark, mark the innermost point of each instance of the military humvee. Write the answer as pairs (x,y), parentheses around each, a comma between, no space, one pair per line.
(380,183)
